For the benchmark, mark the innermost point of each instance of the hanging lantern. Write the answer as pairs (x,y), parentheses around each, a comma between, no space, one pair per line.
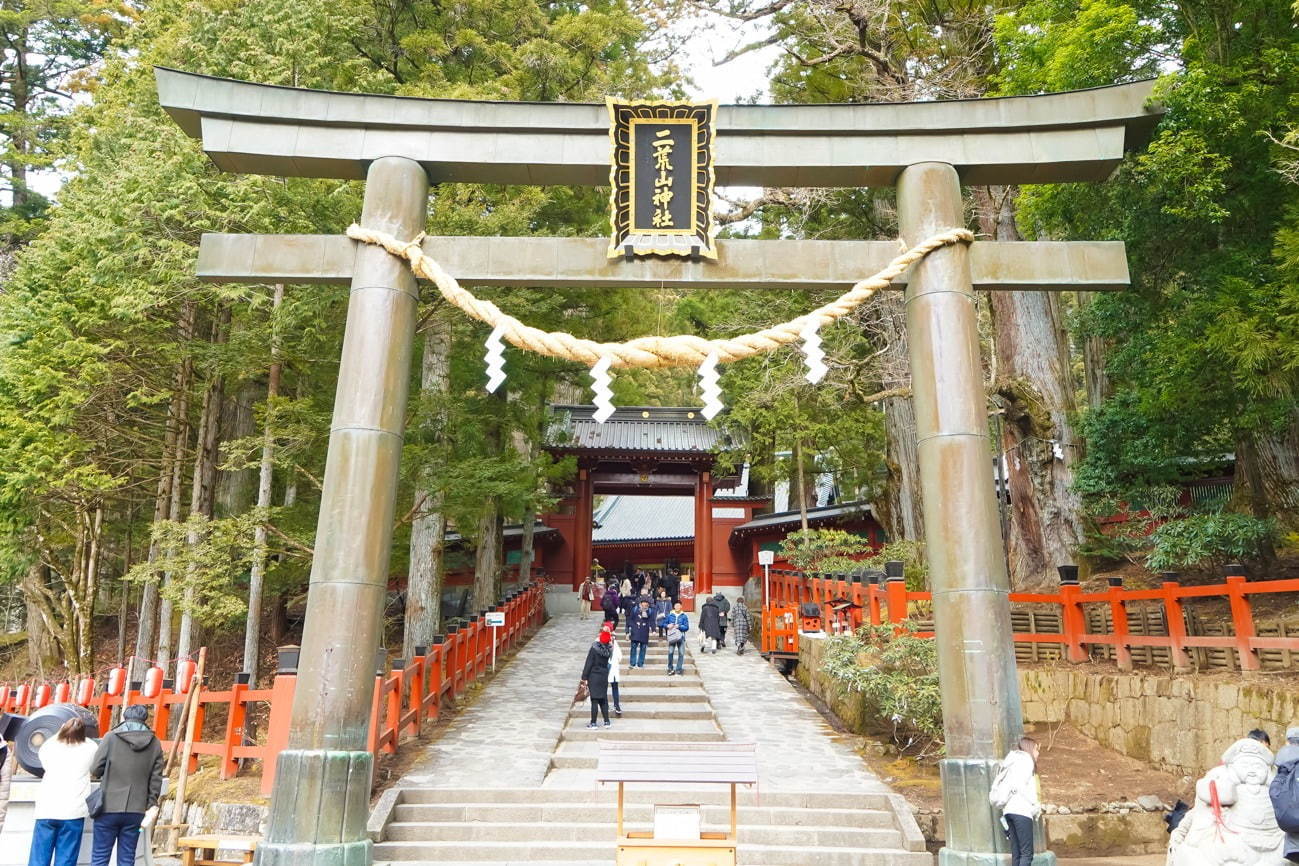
(62,692)
(5,691)
(42,696)
(116,680)
(185,675)
(85,691)
(20,695)
(153,682)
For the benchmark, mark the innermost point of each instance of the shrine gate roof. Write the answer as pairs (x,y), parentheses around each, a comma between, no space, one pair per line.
(634,429)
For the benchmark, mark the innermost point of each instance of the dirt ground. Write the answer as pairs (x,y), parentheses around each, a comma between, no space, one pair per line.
(1076,772)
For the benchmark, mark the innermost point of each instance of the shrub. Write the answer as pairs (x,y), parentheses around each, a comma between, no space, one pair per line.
(897,674)
(1210,539)
(912,556)
(823,549)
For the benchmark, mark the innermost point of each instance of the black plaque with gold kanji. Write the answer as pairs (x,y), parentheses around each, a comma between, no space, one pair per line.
(661,178)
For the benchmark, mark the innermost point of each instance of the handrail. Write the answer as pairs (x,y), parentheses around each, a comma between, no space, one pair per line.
(891,603)
(404,699)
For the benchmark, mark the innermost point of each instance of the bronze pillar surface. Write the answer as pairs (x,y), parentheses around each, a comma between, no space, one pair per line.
(971,590)
(703,535)
(322,782)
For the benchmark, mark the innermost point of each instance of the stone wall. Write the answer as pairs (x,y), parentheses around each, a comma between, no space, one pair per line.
(1177,723)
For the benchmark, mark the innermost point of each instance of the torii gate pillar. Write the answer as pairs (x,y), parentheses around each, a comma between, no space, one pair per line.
(976,653)
(322,781)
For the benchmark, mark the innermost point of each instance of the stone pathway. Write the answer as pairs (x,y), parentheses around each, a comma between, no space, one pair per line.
(506,737)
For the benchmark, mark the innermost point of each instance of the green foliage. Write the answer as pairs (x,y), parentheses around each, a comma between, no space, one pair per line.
(912,556)
(1210,539)
(823,550)
(211,573)
(897,673)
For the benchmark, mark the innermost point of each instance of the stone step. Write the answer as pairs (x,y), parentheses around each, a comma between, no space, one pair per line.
(718,795)
(660,679)
(635,708)
(571,851)
(714,815)
(472,832)
(661,695)
(621,729)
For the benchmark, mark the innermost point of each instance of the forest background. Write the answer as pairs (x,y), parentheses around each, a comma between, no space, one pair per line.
(162,441)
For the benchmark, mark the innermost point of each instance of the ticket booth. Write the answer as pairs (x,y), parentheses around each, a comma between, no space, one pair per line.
(677,837)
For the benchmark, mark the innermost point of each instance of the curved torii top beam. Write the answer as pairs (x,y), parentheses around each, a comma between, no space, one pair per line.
(266,129)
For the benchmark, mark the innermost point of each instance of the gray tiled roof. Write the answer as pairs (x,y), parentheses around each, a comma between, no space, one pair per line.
(634,428)
(644,518)
(824,514)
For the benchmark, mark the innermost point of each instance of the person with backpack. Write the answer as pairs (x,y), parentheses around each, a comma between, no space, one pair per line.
(1015,792)
(710,626)
(60,807)
(677,624)
(129,765)
(1284,793)
(662,607)
(595,675)
(611,603)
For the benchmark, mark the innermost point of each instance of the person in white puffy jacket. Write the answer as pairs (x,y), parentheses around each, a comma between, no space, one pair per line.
(615,668)
(1023,802)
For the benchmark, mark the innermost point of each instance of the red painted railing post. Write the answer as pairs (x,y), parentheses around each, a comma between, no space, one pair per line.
(1074,623)
(376,717)
(896,589)
(277,727)
(234,726)
(418,671)
(873,597)
(395,684)
(437,659)
(1119,614)
(1242,618)
(1176,623)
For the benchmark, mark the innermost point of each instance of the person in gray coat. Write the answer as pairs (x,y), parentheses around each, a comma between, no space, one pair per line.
(1287,764)
(129,767)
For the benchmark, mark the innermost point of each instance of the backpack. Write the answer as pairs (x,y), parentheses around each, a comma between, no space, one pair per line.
(1000,792)
(1284,792)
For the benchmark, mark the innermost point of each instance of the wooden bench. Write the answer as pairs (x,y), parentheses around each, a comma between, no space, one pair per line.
(201,850)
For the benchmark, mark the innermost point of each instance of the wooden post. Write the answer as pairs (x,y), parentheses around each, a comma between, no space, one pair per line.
(1119,615)
(1176,619)
(178,806)
(896,588)
(1242,618)
(277,728)
(1074,623)
(417,669)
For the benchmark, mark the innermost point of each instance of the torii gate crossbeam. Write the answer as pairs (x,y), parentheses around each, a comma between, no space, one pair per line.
(400,145)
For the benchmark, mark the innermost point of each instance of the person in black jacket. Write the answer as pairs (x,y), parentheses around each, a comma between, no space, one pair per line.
(128,764)
(710,623)
(595,673)
(642,622)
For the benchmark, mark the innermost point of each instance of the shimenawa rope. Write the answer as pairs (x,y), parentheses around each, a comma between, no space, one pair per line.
(680,350)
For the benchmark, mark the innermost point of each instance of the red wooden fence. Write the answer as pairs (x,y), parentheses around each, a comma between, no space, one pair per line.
(846,603)
(411,694)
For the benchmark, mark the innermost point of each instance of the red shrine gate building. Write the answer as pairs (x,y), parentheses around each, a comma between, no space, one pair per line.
(649,490)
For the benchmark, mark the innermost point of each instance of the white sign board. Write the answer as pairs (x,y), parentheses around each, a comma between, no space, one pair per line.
(728,513)
(495,619)
(766,557)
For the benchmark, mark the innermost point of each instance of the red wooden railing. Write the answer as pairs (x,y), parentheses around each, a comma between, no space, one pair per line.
(411,694)
(891,603)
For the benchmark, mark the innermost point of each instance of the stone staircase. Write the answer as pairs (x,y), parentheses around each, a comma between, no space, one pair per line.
(570,820)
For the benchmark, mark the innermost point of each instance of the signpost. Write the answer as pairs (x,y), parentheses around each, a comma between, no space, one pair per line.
(495,620)
(765,559)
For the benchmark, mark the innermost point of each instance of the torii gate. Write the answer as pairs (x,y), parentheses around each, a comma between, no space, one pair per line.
(399,145)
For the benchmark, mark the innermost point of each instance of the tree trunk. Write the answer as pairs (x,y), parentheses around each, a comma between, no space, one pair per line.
(202,490)
(171,454)
(902,517)
(1267,472)
(1035,388)
(124,608)
(165,604)
(428,530)
(527,547)
(1095,351)
(236,490)
(40,649)
(802,484)
(487,563)
(266,475)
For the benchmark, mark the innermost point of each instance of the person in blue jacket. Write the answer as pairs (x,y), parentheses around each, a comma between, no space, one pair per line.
(677,624)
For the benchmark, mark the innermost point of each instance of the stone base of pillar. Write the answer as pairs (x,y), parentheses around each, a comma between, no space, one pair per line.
(974,833)
(322,801)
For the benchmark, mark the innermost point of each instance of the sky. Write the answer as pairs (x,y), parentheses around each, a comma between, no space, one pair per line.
(741,78)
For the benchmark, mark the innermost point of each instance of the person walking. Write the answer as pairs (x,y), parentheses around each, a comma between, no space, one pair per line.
(128,764)
(677,624)
(615,669)
(6,778)
(60,807)
(741,625)
(724,616)
(611,603)
(662,607)
(595,674)
(1015,792)
(710,626)
(641,623)
(587,594)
